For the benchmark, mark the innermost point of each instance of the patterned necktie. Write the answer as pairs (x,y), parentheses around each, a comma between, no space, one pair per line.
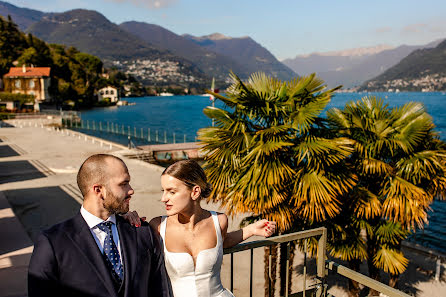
(111,251)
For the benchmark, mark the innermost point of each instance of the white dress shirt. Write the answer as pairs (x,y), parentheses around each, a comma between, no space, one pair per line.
(98,234)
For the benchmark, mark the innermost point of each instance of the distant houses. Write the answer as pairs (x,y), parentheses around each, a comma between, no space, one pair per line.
(108,92)
(31,81)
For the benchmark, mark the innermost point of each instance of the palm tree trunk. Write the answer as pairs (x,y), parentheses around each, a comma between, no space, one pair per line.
(290,268)
(353,286)
(283,267)
(373,271)
(270,284)
(393,281)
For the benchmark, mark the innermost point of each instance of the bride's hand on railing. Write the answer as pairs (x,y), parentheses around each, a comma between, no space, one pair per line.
(133,218)
(263,228)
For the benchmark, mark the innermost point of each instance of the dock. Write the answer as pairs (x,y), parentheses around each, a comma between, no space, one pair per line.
(174,151)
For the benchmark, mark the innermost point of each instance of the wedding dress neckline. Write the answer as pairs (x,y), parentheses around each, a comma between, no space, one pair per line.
(200,278)
(205,250)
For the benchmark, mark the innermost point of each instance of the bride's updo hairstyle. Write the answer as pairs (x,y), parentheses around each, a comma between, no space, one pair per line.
(191,174)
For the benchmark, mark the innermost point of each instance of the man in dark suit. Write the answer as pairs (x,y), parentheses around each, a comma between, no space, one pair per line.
(97,253)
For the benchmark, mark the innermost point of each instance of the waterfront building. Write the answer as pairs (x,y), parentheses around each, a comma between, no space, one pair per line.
(108,92)
(33,81)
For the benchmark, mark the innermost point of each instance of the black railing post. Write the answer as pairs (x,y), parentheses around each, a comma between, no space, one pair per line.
(287,272)
(305,269)
(232,272)
(250,273)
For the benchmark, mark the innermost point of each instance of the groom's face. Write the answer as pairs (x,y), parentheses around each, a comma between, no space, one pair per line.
(117,189)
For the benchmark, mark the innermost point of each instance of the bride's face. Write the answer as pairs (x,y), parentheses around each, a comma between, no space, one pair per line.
(176,195)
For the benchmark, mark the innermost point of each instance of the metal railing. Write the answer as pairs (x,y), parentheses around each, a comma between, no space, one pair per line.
(146,135)
(323,265)
(287,238)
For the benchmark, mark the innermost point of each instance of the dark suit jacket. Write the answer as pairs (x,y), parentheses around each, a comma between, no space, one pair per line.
(66,261)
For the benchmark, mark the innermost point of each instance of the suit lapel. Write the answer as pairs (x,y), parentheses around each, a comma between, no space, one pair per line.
(84,240)
(127,237)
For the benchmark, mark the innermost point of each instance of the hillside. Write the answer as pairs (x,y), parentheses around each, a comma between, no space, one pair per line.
(23,17)
(245,51)
(75,76)
(422,70)
(91,32)
(211,63)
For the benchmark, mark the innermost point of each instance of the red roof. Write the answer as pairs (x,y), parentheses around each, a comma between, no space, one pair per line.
(29,71)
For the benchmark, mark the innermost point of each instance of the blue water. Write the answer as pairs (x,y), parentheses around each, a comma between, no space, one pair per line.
(183,115)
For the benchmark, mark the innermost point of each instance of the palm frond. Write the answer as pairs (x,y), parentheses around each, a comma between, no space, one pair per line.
(390,260)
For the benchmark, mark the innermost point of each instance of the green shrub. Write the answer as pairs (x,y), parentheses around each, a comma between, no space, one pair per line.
(22,98)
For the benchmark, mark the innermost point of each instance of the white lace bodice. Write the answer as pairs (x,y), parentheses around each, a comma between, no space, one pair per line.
(201,280)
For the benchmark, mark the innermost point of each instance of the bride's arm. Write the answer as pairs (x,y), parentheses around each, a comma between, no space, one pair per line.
(261,228)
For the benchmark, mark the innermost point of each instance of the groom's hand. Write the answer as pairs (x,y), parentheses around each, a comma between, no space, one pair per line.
(133,218)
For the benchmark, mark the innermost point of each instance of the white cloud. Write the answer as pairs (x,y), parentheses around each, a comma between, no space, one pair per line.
(415,28)
(152,4)
(383,30)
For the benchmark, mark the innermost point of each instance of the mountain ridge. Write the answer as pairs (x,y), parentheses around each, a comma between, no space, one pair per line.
(422,70)
(352,71)
(93,33)
(23,17)
(212,63)
(247,51)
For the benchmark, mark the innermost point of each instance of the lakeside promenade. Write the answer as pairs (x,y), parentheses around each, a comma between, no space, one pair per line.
(38,167)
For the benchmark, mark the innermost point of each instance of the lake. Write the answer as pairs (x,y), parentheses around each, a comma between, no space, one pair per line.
(183,115)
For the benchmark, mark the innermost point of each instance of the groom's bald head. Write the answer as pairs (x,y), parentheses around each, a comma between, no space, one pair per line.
(96,170)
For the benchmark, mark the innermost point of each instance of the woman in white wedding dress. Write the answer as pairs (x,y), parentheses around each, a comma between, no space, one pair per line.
(193,238)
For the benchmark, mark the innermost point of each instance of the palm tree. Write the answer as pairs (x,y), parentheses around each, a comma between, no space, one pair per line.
(400,164)
(268,154)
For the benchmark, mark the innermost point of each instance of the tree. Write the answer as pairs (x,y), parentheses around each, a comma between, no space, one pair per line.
(400,164)
(270,155)
(12,43)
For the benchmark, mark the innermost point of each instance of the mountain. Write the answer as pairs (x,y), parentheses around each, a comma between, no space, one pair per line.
(351,68)
(422,70)
(23,17)
(211,63)
(197,58)
(245,51)
(91,32)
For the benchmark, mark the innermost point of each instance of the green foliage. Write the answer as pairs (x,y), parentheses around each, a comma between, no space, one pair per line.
(12,43)
(74,75)
(400,165)
(104,102)
(22,98)
(266,156)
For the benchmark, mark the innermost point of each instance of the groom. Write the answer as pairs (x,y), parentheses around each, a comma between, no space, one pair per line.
(97,253)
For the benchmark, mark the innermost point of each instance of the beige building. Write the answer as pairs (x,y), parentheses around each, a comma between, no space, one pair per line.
(108,92)
(30,81)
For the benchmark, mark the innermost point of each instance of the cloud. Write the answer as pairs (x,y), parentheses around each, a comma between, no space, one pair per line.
(383,30)
(415,28)
(152,4)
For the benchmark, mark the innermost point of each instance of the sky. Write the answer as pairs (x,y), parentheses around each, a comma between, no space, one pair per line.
(285,27)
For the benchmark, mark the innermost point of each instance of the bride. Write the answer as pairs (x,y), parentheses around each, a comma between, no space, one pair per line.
(194,238)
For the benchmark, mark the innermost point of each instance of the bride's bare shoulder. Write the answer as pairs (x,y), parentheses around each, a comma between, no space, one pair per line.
(155,223)
(223,221)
